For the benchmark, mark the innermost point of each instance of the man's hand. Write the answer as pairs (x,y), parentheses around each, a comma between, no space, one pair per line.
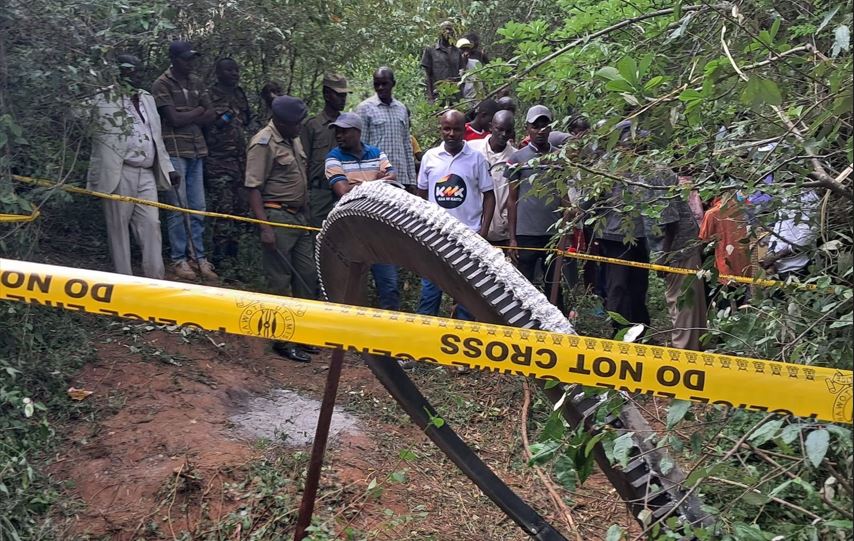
(175,178)
(268,237)
(512,251)
(769,263)
(208,117)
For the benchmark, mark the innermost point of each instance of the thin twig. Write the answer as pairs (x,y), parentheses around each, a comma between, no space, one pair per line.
(772,498)
(553,494)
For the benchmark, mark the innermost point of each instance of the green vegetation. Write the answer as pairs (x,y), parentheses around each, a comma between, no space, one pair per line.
(769,72)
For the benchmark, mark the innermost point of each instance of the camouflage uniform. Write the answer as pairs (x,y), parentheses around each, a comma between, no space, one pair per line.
(225,165)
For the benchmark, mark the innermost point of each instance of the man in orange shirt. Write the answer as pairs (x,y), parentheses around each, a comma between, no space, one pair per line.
(725,223)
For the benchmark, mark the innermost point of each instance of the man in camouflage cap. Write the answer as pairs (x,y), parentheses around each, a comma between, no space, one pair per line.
(278,192)
(226,161)
(318,140)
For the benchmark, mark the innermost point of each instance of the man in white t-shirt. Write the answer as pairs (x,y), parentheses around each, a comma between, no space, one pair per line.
(456,178)
(496,148)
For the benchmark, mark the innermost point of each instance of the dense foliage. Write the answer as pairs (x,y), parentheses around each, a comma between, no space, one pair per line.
(712,83)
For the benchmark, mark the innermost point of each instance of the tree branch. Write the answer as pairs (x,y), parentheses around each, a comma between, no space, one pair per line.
(594,35)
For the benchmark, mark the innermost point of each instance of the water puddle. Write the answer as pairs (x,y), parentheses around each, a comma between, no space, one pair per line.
(288,417)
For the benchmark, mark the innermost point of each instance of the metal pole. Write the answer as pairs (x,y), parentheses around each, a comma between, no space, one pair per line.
(321,435)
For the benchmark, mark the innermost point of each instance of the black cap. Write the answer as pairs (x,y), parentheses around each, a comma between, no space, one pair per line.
(289,109)
(182,49)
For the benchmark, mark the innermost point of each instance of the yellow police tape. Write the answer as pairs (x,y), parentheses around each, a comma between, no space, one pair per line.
(805,391)
(574,255)
(12,218)
(157,204)
(761,282)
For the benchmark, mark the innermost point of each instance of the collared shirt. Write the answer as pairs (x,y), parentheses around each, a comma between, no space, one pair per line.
(187,141)
(796,227)
(229,141)
(277,167)
(443,63)
(372,164)
(387,127)
(318,140)
(456,182)
(497,165)
(536,212)
(140,142)
(473,135)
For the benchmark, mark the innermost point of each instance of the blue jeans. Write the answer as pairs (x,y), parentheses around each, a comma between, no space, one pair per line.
(192,195)
(431,300)
(385,279)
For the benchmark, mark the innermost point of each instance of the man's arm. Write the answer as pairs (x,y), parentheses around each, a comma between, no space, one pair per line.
(256,205)
(488,211)
(386,172)
(257,169)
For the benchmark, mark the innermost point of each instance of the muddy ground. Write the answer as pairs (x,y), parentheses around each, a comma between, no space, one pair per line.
(192,435)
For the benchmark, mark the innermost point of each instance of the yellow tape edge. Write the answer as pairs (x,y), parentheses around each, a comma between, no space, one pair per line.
(20,218)
(763,385)
(157,204)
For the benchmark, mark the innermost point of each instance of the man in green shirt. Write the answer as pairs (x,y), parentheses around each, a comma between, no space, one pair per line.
(317,141)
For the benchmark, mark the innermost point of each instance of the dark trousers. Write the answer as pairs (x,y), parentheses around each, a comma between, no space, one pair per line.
(530,260)
(626,287)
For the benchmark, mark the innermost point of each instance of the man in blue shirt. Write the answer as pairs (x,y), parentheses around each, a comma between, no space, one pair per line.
(352,163)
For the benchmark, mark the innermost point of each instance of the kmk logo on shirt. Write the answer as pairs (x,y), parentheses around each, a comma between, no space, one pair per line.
(450,191)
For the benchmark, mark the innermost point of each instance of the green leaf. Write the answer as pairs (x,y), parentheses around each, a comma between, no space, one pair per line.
(622,447)
(666,464)
(619,85)
(775,27)
(615,533)
(407,455)
(565,474)
(676,412)
(755,498)
(609,73)
(759,92)
(591,443)
(766,432)
(618,318)
(628,68)
(543,451)
(551,384)
(790,433)
(744,532)
(816,445)
(554,428)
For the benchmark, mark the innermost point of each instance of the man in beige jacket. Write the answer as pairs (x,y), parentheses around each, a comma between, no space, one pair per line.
(129,158)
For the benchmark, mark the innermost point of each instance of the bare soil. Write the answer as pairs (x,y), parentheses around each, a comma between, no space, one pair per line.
(159,448)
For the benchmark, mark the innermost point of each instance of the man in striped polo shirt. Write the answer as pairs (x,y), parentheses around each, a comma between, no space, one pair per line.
(352,163)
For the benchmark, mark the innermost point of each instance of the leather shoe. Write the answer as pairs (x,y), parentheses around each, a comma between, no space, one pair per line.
(291,351)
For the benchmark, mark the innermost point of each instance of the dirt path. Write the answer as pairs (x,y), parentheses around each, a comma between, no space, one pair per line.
(165,451)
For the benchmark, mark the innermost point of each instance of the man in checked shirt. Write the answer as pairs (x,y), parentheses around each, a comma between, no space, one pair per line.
(386,125)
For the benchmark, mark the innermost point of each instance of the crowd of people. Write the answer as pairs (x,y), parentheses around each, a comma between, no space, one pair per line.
(202,146)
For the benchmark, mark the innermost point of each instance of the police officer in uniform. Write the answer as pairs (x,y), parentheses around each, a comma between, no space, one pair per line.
(277,184)
(225,164)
